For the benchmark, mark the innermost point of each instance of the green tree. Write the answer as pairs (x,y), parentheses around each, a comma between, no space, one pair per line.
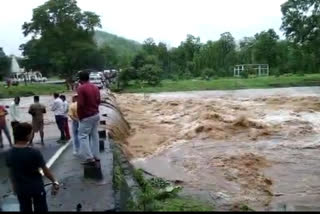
(4,64)
(164,59)
(283,52)
(246,52)
(150,74)
(300,22)
(62,38)
(218,55)
(227,53)
(265,47)
(139,60)
(125,75)
(181,59)
(111,57)
(149,46)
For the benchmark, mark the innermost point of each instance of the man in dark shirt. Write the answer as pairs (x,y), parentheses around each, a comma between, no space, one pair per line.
(88,113)
(24,163)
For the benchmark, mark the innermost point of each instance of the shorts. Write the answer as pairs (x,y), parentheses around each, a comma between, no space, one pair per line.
(37,125)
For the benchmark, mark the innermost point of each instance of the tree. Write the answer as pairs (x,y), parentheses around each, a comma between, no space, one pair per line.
(110,56)
(149,46)
(151,74)
(4,64)
(218,55)
(62,38)
(300,22)
(164,58)
(191,46)
(36,57)
(126,74)
(265,47)
(139,60)
(181,59)
(227,53)
(246,53)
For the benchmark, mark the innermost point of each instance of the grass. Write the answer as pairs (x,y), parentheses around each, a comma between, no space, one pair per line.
(53,78)
(30,90)
(228,84)
(183,204)
(159,195)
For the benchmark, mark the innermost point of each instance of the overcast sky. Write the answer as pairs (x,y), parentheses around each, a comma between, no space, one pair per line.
(168,21)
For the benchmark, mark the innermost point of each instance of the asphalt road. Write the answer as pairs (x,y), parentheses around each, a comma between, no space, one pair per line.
(51,136)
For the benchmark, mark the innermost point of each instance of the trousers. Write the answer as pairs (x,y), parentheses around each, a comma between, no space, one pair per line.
(89,137)
(38,201)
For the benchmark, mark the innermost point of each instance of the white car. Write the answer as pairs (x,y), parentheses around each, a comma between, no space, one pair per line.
(96,80)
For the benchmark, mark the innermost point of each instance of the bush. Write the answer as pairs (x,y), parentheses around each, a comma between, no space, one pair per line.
(244,74)
(126,75)
(158,194)
(186,75)
(300,73)
(151,74)
(207,73)
(175,77)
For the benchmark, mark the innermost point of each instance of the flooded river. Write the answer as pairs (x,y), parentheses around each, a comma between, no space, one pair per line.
(258,147)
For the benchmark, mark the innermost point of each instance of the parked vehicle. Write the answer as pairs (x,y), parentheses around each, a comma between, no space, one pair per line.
(96,80)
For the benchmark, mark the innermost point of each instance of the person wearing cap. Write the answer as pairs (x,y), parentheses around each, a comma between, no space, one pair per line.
(75,125)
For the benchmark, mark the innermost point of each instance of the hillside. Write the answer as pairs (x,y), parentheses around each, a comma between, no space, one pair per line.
(124,47)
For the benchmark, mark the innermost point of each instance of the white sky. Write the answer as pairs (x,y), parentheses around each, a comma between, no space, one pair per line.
(168,21)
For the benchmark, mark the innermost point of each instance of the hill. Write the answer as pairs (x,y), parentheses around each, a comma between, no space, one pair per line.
(124,47)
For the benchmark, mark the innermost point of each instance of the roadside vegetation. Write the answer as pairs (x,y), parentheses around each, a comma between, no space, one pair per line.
(288,80)
(31,90)
(160,195)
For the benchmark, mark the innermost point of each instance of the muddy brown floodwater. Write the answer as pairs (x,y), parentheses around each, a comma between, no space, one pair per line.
(257,147)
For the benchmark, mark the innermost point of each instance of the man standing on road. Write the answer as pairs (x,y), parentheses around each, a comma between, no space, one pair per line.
(58,109)
(15,112)
(3,126)
(66,109)
(37,110)
(75,125)
(88,113)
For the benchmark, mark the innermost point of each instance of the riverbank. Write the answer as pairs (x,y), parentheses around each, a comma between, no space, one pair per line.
(228,84)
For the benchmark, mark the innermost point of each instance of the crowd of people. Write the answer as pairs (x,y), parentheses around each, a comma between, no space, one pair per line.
(24,161)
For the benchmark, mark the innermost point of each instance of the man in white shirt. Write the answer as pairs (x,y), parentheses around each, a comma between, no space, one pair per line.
(66,109)
(15,112)
(59,111)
